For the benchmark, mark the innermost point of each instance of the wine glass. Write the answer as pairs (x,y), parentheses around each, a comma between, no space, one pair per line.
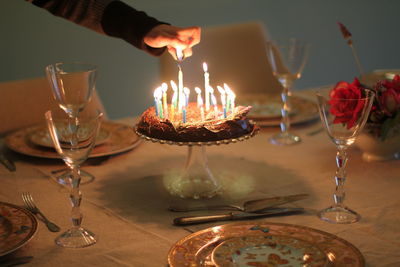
(62,131)
(343,120)
(287,59)
(72,85)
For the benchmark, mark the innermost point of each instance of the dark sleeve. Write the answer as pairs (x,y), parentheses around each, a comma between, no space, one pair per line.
(110,17)
(122,21)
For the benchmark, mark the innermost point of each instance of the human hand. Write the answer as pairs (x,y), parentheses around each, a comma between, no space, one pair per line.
(173,38)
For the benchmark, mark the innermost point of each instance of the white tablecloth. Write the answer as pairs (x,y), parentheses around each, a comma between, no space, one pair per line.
(126,206)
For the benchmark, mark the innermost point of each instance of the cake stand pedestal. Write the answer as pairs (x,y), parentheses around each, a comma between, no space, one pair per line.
(196,180)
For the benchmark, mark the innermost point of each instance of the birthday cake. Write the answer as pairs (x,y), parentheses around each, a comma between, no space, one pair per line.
(212,125)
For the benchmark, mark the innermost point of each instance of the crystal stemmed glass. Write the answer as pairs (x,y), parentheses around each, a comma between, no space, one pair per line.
(287,59)
(343,130)
(72,85)
(62,132)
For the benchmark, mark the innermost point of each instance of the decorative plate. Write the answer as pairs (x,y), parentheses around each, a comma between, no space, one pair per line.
(122,138)
(42,137)
(266,109)
(196,249)
(17,227)
(268,250)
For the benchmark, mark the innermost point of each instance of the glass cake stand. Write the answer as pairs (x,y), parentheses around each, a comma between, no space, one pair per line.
(196,180)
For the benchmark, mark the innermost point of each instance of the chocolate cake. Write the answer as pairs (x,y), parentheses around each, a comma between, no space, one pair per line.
(194,129)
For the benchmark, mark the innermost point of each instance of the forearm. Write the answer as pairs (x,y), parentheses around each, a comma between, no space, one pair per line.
(110,17)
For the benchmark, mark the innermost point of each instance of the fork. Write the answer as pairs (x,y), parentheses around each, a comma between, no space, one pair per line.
(31,206)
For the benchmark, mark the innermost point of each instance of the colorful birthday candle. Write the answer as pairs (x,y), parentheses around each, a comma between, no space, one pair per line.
(223,99)
(186,91)
(214,102)
(200,102)
(157,102)
(174,100)
(206,85)
(164,88)
(230,98)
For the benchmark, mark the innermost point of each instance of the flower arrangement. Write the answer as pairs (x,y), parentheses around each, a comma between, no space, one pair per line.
(384,118)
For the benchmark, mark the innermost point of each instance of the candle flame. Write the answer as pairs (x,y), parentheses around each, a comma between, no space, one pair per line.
(205,67)
(198,90)
(164,87)
(179,53)
(213,100)
(174,86)
(186,91)
(158,93)
(227,88)
(221,90)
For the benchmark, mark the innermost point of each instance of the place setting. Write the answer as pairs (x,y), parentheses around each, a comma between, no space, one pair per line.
(174,198)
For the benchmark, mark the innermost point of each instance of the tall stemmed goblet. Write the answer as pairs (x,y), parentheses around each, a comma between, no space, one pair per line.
(343,119)
(287,60)
(72,85)
(74,154)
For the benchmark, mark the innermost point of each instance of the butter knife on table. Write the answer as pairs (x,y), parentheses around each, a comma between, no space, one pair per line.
(187,220)
(7,163)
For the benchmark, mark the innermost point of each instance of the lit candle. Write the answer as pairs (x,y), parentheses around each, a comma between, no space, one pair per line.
(186,91)
(206,85)
(198,92)
(180,88)
(214,102)
(231,97)
(184,114)
(174,99)
(157,102)
(164,88)
(223,99)
(200,102)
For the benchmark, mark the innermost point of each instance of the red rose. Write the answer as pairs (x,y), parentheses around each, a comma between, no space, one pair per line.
(392,84)
(346,102)
(390,101)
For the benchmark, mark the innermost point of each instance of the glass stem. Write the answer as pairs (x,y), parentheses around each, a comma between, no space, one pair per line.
(76,197)
(285,122)
(340,176)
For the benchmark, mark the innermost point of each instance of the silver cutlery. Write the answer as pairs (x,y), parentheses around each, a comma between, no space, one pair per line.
(251,206)
(31,206)
(187,220)
(7,162)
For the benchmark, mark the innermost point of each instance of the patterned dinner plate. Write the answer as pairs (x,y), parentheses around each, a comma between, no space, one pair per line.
(121,138)
(268,250)
(266,109)
(17,227)
(196,249)
(42,137)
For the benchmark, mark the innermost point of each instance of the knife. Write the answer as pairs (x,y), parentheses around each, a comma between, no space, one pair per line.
(256,206)
(7,163)
(187,220)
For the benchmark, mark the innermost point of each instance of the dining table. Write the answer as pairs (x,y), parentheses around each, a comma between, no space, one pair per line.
(127,205)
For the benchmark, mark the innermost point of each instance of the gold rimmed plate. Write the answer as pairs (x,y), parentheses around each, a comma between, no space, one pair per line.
(17,227)
(196,249)
(266,109)
(41,137)
(121,138)
(268,250)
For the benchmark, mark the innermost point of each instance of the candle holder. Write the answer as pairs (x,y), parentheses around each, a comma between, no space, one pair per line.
(196,180)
